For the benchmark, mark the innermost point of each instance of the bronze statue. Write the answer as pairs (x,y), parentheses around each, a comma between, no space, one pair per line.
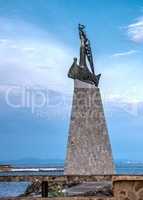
(81,71)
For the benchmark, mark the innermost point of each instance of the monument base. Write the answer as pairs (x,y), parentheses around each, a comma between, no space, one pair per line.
(89,149)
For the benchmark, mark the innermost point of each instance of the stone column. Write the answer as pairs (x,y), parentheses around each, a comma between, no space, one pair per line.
(89,150)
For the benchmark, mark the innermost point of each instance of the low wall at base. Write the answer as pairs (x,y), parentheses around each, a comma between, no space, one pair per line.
(124,187)
(61,198)
(128,187)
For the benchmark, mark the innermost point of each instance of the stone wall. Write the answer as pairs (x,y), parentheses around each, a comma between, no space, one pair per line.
(128,187)
(124,187)
(60,198)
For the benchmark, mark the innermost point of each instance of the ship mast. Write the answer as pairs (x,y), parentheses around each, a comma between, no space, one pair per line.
(87,47)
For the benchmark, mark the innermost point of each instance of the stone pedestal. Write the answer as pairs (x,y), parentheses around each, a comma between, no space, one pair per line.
(89,149)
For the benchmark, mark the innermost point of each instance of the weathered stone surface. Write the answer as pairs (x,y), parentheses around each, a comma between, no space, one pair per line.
(128,188)
(89,149)
(57,179)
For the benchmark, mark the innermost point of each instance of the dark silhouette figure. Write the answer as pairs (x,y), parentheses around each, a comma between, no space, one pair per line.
(81,71)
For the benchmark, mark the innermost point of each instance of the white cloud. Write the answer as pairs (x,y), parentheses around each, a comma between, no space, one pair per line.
(135,30)
(127,53)
(29,49)
(121,79)
(26,50)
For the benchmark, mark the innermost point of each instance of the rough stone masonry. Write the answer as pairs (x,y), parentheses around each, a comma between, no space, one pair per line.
(89,150)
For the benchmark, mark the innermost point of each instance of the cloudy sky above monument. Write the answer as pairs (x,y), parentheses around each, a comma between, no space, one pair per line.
(38,40)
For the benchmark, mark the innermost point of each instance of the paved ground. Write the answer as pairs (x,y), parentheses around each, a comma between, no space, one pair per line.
(102,188)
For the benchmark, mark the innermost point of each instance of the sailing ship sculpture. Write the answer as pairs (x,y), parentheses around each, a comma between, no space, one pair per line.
(81,71)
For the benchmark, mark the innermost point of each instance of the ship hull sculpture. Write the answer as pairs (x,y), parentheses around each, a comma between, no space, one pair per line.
(81,71)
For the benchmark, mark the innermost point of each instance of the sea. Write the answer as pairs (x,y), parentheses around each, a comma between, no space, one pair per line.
(14,189)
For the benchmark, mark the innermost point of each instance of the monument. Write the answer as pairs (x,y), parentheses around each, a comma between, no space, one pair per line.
(88,150)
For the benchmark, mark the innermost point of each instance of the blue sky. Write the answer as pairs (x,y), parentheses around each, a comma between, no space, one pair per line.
(38,40)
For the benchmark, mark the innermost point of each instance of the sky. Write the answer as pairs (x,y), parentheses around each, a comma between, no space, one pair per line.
(38,40)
